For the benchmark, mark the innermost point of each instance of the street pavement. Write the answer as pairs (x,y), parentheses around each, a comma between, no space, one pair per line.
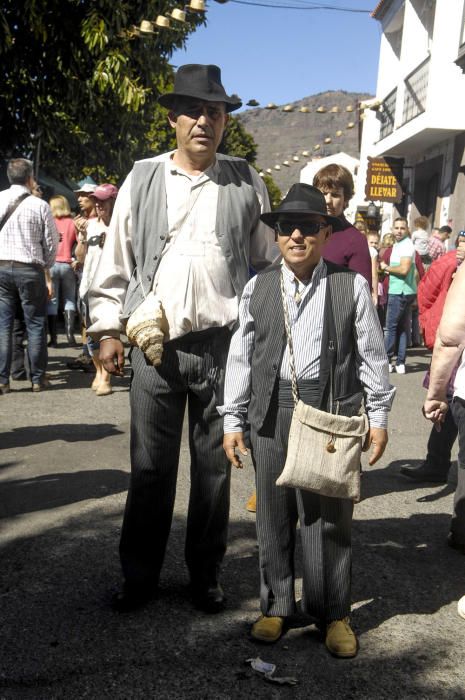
(63,479)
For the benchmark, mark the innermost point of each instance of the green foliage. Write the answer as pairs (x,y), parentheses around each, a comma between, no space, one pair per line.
(80,85)
(238,142)
(274,192)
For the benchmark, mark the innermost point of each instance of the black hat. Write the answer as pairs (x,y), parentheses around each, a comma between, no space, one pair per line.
(302,199)
(202,83)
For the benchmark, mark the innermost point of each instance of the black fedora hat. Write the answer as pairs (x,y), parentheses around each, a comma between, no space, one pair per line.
(202,83)
(301,200)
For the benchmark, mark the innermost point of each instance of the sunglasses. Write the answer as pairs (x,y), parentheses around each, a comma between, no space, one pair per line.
(306,228)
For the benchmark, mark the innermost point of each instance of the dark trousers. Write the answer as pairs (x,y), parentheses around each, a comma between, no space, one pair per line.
(325,529)
(20,365)
(440,445)
(457,526)
(23,285)
(192,371)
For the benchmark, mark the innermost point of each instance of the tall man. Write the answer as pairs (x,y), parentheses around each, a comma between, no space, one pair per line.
(337,340)
(186,224)
(28,244)
(402,293)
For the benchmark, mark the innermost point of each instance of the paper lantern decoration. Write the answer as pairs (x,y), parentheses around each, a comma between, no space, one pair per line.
(178,15)
(162,21)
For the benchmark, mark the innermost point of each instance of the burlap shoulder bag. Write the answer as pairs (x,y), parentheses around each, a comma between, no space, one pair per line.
(324,449)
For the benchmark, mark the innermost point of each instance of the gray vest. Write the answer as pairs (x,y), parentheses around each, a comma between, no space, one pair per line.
(237,215)
(337,344)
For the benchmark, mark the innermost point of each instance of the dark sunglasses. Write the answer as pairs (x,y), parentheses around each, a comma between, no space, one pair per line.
(306,228)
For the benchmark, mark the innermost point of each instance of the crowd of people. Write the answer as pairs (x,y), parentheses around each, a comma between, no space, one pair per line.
(321,319)
(48,256)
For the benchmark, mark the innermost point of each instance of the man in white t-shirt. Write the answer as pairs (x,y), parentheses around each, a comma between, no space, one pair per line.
(402,293)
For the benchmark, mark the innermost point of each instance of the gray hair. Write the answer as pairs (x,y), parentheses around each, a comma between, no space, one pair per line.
(19,171)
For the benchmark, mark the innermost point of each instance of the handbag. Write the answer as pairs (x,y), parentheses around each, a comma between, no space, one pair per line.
(324,449)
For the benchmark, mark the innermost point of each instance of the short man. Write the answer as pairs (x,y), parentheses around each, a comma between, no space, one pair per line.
(28,244)
(348,246)
(342,324)
(186,224)
(402,293)
(437,242)
(449,352)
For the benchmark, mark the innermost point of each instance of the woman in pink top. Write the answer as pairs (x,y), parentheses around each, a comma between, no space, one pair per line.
(63,276)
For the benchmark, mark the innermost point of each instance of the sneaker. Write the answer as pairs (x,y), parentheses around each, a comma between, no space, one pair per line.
(400,369)
(4,389)
(340,639)
(83,361)
(391,369)
(461,607)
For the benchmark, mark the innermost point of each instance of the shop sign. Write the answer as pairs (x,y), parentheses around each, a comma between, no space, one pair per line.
(384,177)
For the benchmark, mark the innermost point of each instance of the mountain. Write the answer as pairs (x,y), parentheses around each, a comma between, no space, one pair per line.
(284,132)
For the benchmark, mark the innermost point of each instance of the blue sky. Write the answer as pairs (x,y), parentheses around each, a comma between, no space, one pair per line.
(282,55)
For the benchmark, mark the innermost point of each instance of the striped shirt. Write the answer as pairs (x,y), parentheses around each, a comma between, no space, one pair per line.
(306,305)
(30,235)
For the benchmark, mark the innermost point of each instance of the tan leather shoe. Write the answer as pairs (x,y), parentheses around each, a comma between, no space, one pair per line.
(268,629)
(340,639)
(251,504)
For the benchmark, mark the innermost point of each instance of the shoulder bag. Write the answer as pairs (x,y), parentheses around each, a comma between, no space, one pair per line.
(324,449)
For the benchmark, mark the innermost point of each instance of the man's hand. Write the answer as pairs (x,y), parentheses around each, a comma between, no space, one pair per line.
(112,355)
(50,290)
(230,442)
(378,439)
(435,410)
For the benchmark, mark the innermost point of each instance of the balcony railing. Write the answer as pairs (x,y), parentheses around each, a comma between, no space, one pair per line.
(387,114)
(416,91)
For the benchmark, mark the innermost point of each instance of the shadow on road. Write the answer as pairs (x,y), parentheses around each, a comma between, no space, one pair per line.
(55,490)
(68,432)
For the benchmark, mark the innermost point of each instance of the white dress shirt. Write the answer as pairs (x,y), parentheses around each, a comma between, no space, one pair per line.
(192,280)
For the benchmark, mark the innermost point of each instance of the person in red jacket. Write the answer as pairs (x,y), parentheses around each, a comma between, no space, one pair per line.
(431,295)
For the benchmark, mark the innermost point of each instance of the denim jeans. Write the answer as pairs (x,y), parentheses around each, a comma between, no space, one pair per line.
(64,288)
(23,285)
(397,320)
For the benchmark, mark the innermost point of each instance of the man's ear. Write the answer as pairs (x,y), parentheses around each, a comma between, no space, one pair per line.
(172,118)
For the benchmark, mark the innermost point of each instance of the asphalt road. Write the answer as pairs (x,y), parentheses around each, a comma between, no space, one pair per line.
(63,480)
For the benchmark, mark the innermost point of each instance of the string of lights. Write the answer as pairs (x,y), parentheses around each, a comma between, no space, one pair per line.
(303,6)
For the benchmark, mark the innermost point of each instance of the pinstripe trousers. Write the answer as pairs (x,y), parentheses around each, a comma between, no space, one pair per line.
(325,527)
(192,371)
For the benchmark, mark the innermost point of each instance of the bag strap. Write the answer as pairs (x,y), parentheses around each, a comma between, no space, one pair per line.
(12,208)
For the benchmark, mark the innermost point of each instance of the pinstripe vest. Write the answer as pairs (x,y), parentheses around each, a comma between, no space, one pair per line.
(337,344)
(238,212)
